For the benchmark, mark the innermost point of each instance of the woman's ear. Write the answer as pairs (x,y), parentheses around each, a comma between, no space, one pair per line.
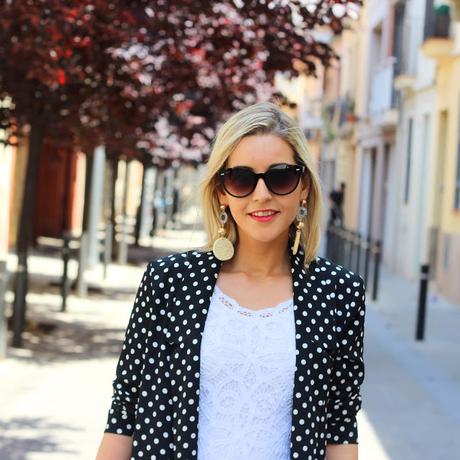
(305,187)
(221,195)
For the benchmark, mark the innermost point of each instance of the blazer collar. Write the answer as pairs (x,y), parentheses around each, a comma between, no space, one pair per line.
(299,272)
(308,285)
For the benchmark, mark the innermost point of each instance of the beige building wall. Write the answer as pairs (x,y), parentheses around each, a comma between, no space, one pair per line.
(448,243)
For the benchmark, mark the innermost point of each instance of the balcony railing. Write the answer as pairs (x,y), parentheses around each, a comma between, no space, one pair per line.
(347,110)
(437,21)
(438,42)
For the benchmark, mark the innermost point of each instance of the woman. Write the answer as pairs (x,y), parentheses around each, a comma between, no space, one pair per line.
(251,348)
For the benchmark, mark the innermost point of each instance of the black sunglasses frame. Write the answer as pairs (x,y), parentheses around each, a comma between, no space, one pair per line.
(300,169)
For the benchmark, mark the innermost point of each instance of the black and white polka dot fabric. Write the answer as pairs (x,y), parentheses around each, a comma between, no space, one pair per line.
(156,389)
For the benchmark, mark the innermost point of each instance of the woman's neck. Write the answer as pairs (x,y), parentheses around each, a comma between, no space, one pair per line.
(260,259)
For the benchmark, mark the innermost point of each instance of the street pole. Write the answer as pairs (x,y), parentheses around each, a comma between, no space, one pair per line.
(377,250)
(82,287)
(358,247)
(65,281)
(107,246)
(368,245)
(4,275)
(421,311)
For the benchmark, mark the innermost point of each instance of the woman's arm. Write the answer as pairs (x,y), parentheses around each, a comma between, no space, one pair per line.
(115,447)
(342,452)
(348,373)
(117,440)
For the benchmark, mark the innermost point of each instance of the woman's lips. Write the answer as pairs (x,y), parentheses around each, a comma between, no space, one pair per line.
(264,218)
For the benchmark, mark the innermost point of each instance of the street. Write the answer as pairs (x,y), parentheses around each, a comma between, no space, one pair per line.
(130,131)
(55,392)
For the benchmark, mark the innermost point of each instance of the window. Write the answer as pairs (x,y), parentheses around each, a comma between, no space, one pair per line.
(408,160)
(446,252)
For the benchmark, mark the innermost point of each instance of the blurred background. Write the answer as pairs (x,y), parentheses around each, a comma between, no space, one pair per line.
(107,113)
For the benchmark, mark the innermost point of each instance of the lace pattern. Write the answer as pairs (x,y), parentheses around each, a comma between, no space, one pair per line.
(247,367)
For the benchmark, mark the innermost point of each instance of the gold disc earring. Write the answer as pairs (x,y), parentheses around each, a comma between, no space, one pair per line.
(301,214)
(223,248)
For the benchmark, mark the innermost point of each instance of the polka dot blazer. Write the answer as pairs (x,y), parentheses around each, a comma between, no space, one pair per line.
(156,388)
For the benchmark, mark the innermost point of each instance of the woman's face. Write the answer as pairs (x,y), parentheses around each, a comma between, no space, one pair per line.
(260,152)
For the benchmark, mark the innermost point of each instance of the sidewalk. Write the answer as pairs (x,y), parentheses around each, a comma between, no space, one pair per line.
(411,394)
(55,392)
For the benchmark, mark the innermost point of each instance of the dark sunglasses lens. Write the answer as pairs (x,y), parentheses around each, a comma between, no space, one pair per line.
(282,181)
(239,182)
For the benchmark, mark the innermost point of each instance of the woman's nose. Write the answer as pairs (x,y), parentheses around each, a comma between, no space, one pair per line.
(261,191)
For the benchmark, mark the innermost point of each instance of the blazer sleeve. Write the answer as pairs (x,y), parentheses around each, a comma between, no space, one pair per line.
(348,372)
(130,365)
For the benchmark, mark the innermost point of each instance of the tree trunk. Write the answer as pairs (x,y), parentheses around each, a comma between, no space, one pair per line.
(88,180)
(154,224)
(114,165)
(140,207)
(25,230)
(122,243)
(86,204)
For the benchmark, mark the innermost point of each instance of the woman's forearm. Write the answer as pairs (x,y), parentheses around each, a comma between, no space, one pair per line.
(115,447)
(342,452)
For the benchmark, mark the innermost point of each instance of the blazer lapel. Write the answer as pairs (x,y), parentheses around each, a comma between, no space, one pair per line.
(313,339)
(193,297)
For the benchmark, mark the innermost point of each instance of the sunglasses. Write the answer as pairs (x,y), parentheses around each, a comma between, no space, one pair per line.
(241,181)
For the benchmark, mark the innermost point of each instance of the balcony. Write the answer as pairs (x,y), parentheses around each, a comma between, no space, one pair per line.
(347,117)
(404,50)
(404,82)
(438,43)
(382,95)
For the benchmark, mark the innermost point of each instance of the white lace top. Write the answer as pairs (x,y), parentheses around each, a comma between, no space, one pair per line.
(247,366)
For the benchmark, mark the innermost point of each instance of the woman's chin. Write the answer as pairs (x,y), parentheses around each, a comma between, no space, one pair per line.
(265,237)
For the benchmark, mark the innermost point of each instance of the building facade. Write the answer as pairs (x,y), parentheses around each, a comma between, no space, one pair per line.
(441,44)
(390,130)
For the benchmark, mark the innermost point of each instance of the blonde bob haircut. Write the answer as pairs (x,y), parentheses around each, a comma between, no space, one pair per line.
(261,118)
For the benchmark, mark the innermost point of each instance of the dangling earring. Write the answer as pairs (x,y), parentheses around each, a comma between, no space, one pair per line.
(223,247)
(301,214)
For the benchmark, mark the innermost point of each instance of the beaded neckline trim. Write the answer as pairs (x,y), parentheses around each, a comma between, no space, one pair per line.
(266,312)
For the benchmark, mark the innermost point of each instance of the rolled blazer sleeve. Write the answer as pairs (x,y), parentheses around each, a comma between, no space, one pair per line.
(130,365)
(348,372)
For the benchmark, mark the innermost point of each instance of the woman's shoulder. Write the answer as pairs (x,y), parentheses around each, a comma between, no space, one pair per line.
(176,264)
(337,272)
(178,260)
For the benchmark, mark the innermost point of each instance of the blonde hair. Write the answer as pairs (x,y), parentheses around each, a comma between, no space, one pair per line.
(261,118)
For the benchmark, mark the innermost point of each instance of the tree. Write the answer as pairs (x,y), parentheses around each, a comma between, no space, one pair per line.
(148,78)
(61,64)
(209,59)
